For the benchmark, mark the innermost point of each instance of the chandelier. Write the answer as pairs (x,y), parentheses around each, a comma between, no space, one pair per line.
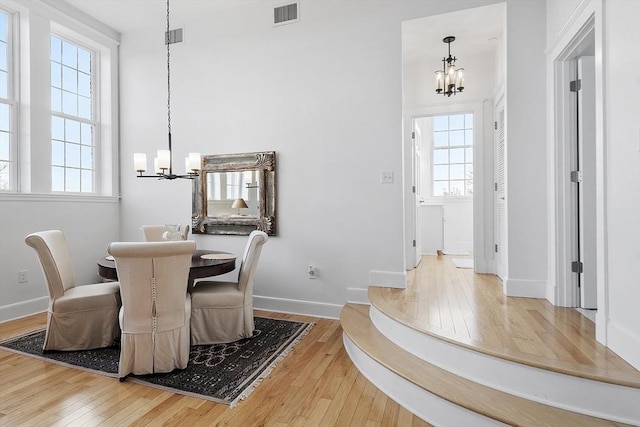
(449,80)
(163,163)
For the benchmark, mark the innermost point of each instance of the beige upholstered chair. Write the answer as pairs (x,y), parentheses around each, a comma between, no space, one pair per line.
(222,312)
(79,317)
(155,305)
(153,233)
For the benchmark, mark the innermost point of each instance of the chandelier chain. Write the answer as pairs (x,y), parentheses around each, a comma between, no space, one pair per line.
(168,42)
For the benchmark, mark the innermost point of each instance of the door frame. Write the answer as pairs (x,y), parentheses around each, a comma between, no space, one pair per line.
(584,26)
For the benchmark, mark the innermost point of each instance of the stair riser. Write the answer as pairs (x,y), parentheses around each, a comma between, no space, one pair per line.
(423,404)
(594,398)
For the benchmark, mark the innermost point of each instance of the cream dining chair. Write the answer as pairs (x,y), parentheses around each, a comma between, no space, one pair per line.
(78,317)
(222,312)
(153,233)
(156,307)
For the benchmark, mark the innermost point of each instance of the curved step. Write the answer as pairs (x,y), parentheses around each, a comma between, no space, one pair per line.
(436,395)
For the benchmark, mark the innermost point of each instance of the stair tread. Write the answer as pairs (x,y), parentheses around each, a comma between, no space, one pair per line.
(628,378)
(475,397)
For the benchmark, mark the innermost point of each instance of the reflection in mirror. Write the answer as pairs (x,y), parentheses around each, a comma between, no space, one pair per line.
(225,189)
(235,194)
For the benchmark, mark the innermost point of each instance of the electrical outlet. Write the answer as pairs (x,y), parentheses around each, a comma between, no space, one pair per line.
(386,177)
(311,272)
(22,276)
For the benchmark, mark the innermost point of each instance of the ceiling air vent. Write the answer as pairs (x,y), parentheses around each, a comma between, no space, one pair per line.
(286,14)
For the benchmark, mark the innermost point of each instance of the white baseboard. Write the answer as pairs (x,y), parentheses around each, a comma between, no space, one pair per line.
(624,343)
(23,309)
(525,288)
(358,296)
(388,279)
(484,267)
(290,306)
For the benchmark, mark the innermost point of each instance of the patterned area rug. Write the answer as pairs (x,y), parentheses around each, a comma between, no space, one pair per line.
(224,373)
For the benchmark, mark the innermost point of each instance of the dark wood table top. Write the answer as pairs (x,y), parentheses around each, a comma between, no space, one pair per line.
(200,267)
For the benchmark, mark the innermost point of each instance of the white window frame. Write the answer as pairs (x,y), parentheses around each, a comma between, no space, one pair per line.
(12,92)
(433,149)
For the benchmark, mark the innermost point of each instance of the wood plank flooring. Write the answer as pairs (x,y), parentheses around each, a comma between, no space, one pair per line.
(316,385)
(471,309)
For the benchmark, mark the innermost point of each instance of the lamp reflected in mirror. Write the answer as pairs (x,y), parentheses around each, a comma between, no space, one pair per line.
(239,204)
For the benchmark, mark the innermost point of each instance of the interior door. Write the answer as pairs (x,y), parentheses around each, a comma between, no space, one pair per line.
(500,193)
(585,181)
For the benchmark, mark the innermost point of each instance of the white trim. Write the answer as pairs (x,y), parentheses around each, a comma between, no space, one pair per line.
(625,343)
(388,279)
(525,288)
(573,393)
(23,309)
(291,306)
(425,405)
(358,296)
(56,197)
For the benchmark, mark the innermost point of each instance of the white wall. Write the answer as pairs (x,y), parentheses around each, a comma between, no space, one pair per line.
(526,149)
(325,94)
(621,57)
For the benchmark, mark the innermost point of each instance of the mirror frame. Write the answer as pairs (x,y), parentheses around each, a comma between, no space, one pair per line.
(265,163)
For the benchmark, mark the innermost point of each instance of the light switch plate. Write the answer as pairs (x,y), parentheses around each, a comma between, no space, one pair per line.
(386,177)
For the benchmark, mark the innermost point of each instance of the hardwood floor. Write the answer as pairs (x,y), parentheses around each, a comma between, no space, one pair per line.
(471,309)
(316,385)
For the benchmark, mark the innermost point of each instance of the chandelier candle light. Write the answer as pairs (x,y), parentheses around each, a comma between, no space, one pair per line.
(449,80)
(163,163)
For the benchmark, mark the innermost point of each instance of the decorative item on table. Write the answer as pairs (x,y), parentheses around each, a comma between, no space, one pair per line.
(239,204)
(172,232)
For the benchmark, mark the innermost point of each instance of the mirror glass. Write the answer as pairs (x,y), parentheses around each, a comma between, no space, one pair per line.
(235,194)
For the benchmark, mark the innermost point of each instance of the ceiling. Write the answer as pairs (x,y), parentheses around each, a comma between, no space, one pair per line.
(476,30)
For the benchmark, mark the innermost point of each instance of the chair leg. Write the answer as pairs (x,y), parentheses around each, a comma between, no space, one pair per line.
(123,378)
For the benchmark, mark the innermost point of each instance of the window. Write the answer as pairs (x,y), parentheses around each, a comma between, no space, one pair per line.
(7,106)
(452,170)
(73,124)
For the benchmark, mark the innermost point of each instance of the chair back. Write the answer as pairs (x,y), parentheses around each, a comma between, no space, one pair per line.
(153,233)
(153,283)
(250,259)
(55,260)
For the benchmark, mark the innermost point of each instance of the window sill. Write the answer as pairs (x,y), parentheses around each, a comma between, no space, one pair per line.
(58,197)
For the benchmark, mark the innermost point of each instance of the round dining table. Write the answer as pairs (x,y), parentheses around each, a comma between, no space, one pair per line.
(200,267)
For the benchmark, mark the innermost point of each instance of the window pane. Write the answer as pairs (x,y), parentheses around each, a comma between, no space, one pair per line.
(5,174)
(4,84)
(468,187)
(5,148)
(84,107)
(56,100)
(72,157)
(4,29)
(440,123)
(456,137)
(456,188)
(440,172)
(69,79)
(87,157)
(468,137)
(69,55)
(456,155)
(69,103)
(468,155)
(84,84)
(4,117)
(84,61)
(440,157)
(456,122)
(57,128)
(440,188)
(56,75)
(3,54)
(87,181)
(56,49)
(440,139)
(57,179)
(85,134)
(72,131)
(456,172)
(57,153)
(468,121)
(468,171)
(72,180)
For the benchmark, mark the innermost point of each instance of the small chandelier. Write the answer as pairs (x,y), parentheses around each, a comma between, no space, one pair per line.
(449,80)
(163,163)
